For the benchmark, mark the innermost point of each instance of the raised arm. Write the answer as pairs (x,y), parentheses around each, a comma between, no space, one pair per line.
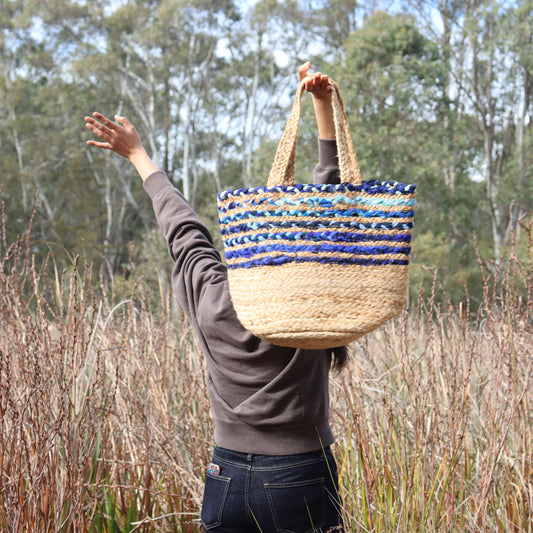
(196,260)
(327,169)
(318,85)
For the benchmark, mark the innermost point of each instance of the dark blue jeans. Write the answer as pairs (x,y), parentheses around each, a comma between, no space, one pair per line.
(268,493)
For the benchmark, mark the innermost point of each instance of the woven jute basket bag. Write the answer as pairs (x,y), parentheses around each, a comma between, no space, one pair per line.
(317,266)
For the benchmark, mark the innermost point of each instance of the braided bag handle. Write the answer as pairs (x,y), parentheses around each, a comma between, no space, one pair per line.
(282,172)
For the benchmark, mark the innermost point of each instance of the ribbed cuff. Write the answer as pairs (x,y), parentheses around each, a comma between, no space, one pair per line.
(327,153)
(327,170)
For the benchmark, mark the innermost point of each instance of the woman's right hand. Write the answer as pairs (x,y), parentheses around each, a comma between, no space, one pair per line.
(317,84)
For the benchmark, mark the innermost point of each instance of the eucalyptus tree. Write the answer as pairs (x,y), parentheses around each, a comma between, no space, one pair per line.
(37,126)
(486,45)
(265,53)
(519,25)
(486,83)
(154,62)
(406,125)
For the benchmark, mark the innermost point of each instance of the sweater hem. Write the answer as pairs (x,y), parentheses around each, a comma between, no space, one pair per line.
(273,440)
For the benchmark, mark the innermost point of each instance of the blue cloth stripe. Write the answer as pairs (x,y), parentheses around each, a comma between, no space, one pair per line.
(317,214)
(349,260)
(315,201)
(316,248)
(315,224)
(322,236)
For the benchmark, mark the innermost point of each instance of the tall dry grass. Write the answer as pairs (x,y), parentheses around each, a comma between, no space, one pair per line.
(105,424)
(435,418)
(104,419)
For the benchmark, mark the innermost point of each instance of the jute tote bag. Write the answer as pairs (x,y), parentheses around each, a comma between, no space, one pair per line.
(317,266)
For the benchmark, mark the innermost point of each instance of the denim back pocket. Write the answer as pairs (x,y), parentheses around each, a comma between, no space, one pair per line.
(215,493)
(297,507)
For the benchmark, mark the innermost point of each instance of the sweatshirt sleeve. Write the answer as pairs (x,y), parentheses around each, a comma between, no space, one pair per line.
(327,169)
(197,262)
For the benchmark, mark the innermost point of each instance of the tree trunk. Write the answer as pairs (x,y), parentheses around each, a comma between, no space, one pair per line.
(250,119)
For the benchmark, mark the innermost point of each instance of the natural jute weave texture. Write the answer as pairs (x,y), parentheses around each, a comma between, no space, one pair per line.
(317,266)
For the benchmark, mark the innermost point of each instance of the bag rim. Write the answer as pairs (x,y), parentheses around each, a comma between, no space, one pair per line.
(366,186)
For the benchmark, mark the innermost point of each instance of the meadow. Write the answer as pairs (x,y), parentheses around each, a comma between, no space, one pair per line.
(105,422)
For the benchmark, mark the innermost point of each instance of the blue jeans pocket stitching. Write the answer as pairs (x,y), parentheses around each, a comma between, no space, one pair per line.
(209,500)
(279,520)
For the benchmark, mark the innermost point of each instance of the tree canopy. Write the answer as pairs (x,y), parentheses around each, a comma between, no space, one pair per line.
(437,94)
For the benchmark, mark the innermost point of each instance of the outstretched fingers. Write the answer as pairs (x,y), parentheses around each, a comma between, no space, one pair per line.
(104,128)
(97,128)
(120,137)
(106,121)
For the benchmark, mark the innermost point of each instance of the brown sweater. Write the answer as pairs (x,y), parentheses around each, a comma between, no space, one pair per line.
(265,399)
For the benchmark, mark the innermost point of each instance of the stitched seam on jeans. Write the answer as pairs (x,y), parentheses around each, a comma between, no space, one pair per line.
(231,463)
(316,527)
(290,465)
(227,482)
(295,483)
(248,509)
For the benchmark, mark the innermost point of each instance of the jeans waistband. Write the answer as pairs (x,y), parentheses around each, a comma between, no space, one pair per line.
(247,460)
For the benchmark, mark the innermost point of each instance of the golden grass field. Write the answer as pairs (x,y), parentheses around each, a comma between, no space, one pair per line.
(105,423)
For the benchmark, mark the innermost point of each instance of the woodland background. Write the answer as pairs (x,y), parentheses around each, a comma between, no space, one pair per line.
(105,423)
(438,93)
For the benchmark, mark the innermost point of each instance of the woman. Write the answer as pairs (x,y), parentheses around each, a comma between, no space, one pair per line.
(272,469)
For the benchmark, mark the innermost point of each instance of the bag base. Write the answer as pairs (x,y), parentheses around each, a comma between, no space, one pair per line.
(317,305)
